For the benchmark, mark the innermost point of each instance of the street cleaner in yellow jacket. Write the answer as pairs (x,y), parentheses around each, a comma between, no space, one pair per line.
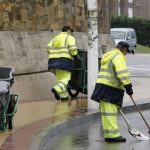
(61,52)
(113,78)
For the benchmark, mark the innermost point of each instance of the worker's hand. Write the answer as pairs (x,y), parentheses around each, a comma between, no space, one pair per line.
(76,57)
(129,89)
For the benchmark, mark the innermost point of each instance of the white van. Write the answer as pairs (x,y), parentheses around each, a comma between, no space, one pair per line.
(125,34)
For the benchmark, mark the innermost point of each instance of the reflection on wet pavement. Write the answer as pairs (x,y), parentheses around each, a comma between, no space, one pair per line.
(90,137)
(32,117)
(70,108)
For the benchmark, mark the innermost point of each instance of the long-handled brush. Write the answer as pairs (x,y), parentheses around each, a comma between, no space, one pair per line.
(135,133)
(138,109)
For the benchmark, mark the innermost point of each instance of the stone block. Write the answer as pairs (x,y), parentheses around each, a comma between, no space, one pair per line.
(51,10)
(7,7)
(39,10)
(24,15)
(55,26)
(46,10)
(51,20)
(56,2)
(1,19)
(60,13)
(6,26)
(1,6)
(5,17)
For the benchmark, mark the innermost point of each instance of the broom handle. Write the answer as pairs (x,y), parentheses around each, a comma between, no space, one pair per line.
(139,112)
(126,120)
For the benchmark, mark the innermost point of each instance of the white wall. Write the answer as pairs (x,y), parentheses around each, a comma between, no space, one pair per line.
(26,53)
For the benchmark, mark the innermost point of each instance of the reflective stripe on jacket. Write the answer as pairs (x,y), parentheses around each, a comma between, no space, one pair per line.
(114,71)
(62,46)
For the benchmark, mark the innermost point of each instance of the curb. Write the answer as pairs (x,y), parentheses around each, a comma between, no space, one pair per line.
(50,133)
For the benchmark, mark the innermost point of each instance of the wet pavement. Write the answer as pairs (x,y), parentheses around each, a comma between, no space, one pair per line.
(90,137)
(32,117)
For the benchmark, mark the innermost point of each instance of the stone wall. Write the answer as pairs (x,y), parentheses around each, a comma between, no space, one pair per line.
(26,52)
(26,27)
(37,15)
(43,15)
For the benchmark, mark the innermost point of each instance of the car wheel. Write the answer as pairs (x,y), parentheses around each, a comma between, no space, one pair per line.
(133,51)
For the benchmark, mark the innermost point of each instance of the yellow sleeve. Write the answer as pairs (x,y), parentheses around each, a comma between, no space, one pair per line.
(121,70)
(72,45)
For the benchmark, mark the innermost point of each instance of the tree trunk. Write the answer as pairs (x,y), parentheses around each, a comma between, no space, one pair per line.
(113,8)
(103,16)
(124,7)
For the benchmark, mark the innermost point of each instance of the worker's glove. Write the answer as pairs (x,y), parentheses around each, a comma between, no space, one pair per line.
(129,89)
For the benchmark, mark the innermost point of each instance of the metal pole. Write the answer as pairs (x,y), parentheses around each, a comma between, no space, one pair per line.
(92,50)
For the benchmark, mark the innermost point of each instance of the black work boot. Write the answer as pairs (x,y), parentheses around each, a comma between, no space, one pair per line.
(56,94)
(116,139)
(64,98)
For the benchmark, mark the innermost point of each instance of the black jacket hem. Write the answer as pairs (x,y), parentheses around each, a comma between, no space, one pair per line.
(107,93)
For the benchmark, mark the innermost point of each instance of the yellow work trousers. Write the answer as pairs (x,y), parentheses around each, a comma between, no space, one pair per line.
(109,116)
(62,79)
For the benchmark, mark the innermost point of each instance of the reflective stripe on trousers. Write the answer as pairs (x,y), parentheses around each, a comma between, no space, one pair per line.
(62,79)
(109,118)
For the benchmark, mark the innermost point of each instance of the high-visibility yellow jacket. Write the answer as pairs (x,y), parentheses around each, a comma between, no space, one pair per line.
(61,50)
(114,71)
(63,45)
(112,78)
